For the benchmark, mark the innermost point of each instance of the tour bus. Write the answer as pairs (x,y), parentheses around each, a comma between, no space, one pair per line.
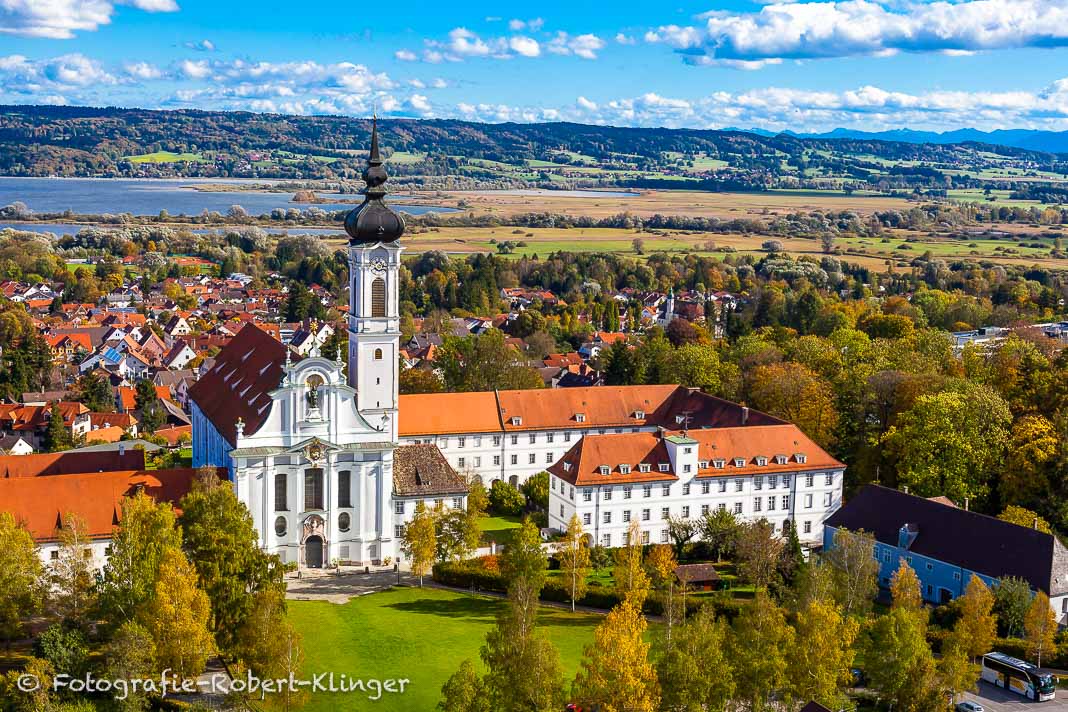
(1018,676)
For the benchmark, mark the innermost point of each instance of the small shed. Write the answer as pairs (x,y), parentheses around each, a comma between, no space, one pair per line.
(700,577)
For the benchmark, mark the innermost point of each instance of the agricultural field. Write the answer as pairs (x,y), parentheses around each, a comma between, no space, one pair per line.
(167,157)
(419,634)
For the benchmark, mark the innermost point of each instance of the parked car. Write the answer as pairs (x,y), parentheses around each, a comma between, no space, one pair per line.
(969,707)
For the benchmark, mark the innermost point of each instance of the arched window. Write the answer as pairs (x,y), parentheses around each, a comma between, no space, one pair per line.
(378,354)
(378,297)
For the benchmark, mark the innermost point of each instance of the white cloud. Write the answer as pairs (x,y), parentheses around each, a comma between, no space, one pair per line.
(143,70)
(200,46)
(419,103)
(625,39)
(517,25)
(584,46)
(61,19)
(68,73)
(405,55)
(417,83)
(525,46)
(194,70)
(805,30)
(586,104)
(439,83)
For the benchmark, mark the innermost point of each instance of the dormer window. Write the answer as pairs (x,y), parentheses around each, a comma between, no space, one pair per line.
(639,415)
(603,469)
(567,467)
(703,464)
(624,469)
(719,464)
(643,467)
(761,461)
(580,417)
(680,419)
(664,466)
(800,458)
(516,420)
(739,462)
(780,459)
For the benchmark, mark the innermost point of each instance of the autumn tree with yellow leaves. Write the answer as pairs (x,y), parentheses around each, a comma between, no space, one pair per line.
(616,674)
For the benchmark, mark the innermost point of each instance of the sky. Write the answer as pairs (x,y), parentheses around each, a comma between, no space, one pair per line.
(809,65)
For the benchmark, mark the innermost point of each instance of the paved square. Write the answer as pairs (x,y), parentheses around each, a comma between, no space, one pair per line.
(995,699)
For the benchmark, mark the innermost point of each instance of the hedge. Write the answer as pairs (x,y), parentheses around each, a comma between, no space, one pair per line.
(466,575)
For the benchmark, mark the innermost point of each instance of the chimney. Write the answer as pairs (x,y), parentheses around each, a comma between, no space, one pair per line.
(122,449)
(745,414)
(1034,523)
(966,504)
(905,489)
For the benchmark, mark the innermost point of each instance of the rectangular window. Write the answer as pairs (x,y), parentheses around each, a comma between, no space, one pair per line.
(587,495)
(478,441)
(808,501)
(461,462)
(739,485)
(664,536)
(549,458)
(773,481)
(737,507)
(567,436)
(758,483)
(645,515)
(686,512)
(705,487)
(280,503)
(626,515)
(606,540)
(756,504)
(344,489)
(571,493)
(313,488)
(532,459)
(721,507)
(586,518)
(607,494)
(808,480)
(398,507)
(704,509)
(956,575)
(461,441)
(457,503)
(930,566)
(771,503)
(478,462)
(665,512)
(497,440)
(807,527)
(647,491)
(827,499)
(549,437)
(723,485)
(645,537)
(830,479)
(515,439)
(497,460)
(626,493)
(607,517)
(561,511)
(786,480)
(686,489)
(687,468)
(515,459)
(666,490)
(533,438)
(786,501)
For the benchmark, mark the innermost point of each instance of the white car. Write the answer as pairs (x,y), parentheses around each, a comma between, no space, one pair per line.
(969,707)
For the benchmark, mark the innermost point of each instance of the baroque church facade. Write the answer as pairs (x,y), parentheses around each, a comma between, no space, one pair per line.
(332,466)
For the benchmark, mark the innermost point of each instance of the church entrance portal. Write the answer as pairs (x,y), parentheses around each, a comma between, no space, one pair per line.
(313,552)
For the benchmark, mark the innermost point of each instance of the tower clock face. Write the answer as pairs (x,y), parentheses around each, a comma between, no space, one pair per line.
(378,265)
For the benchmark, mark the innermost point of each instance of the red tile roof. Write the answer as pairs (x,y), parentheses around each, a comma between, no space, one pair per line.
(237,386)
(64,463)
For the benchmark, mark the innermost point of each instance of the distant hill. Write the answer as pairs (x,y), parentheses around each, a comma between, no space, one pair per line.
(1033,140)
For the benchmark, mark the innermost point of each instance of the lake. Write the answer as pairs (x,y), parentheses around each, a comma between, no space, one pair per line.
(95,196)
(74,229)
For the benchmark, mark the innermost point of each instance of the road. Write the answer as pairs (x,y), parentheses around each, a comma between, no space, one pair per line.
(995,699)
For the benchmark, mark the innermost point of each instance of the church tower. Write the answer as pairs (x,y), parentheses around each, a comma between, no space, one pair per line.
(374,298)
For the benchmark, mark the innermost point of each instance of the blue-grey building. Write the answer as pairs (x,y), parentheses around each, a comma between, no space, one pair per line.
(946,545)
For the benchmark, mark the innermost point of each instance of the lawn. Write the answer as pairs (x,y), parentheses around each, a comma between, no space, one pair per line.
(499,529)
(419,634)
(166,157)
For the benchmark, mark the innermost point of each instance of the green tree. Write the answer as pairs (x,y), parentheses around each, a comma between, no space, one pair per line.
(719,530)
(95,393)
(64,647)
(419,541)
(147,530)
(693,366)
(221,542)
(1025,518)
(573,552)
(72,574)
(524,565)
(267,642)
(1012,598)
(536,490)
(856,570)
(758,649)
(463,692)
(897,658)
(976,630)
(662,564)
(505,499)
(484,363)
(615,674)
(57,436)
(759,552)
(697,646)
(819,662)
(131,655)
(177,616)
(22,575)
(950,443)
(682,531)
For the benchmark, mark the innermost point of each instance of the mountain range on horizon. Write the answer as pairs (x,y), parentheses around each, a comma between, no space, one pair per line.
(1030,139)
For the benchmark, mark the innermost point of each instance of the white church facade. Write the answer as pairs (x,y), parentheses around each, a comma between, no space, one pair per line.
(331,467)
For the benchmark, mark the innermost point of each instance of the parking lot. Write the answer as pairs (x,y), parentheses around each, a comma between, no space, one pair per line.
(995,699)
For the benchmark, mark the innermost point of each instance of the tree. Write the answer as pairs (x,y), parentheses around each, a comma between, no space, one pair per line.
(697,646)
(758,650)
(221,541)
(267,642)
(505,499)
(897,659)
(629,575)
(759,552)
(857,571)
(484,363)
(22,576)
(57,436)
(693,366)
(146,532)
(418,541)
(536,490)
(1033,446)
(72,574)
(64,647)
(1025,518)
(819,662)
(457,533)
(419,380)
(152,417)
(796,393)
(524,566)
(950,443)
(463,692)
(177,616)
(662,564)
(1040,627)
(523,667)
(905,589)
(131,655)
(791,556)
(95,393)
(976,630)
(719,529)
(573,552)
(681,531)
(1012,598)
(827,242)
(477,496)
(615,674)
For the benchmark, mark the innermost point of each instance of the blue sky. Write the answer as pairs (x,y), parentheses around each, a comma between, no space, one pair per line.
(806,65)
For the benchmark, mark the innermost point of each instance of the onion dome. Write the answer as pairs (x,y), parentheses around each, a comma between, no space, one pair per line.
(374,221)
